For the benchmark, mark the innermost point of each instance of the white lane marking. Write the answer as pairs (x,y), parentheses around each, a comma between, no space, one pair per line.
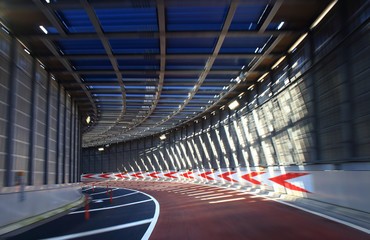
(128,194)
(87,189)
(227,200)
(114,189)
(117,206)
(154,219)
(101,230)
(98,201)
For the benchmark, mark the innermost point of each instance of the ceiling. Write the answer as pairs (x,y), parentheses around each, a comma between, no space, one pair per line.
(138,68)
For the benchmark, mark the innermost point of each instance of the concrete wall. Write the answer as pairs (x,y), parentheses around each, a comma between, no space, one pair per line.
(38,120)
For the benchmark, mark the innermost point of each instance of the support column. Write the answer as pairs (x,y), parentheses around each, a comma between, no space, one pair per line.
(10,128)
(57,140)
(47,131)
(64,138)
(33,121)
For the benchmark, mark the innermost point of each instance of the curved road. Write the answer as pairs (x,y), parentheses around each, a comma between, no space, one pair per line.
(191,211)
(187,211)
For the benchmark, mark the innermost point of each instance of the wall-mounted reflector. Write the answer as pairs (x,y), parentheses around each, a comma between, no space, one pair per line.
(297,42)
(100,149)
(278,62)
(88,119)
(234,104)
(323,14)
(262,77)
(162,137)
(43,29)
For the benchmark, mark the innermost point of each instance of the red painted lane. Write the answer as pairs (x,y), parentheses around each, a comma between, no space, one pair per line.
(186,217)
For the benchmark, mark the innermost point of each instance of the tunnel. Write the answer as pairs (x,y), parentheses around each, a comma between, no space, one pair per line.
(168,119)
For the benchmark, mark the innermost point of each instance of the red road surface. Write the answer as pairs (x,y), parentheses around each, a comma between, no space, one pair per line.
(189,211)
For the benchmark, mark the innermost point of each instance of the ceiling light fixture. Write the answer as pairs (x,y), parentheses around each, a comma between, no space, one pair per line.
(262,77)
(323,14)
(43,29)
(278,62)
(162,137)
(234,104)
(27,51)
(101,149)
(280,25)
(300,39)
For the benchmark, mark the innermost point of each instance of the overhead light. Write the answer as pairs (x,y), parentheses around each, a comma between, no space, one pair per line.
(100,149)
(42,66)
(28,52)
(262,77)
(241,95)
(295,64)
(255,51)
(5,30)
(280,25)
(88,119)
(278,62)
(234,104)
(300,39)
(323,14)
(251,87)
(43,29)
(47,1)
(162,137)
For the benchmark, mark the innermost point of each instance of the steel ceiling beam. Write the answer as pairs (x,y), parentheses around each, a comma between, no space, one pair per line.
(95,22)
(158,56)
(227,22)
(177,34)
(270,16)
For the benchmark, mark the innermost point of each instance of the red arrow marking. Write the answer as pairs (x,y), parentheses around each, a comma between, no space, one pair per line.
(154,175)
(170,174)
(204,175)
(104,175)
(281,180)
(249,178)
(88,176)
(225,176)
(138,175)
(121,175)
(187,175)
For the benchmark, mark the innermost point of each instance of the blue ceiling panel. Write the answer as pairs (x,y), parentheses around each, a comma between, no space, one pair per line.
(191,45)
(242,44)
(81,46)
(246,17)
(142,64)
(128,19)
(230,63)
(195,18)
(135,46)
(92,64)
(99,77)
(75,21)
(178,64)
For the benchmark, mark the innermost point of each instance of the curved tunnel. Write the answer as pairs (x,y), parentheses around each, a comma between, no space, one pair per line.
(196,120)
